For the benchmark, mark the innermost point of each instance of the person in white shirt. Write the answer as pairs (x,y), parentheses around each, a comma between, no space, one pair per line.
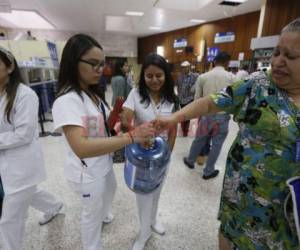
(80,112)
(242,74)
(153,97)
(212,128)
(21,156)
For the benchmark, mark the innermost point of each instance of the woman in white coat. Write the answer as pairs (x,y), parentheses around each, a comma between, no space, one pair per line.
(154,97)
(80,112)
(21,157)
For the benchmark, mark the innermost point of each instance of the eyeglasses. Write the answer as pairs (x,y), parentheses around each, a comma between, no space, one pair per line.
(95,65)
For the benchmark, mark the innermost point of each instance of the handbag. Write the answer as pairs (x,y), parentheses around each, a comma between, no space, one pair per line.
(113,119)
(114,116)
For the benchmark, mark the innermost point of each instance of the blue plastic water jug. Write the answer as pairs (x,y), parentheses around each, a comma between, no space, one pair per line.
(145,168)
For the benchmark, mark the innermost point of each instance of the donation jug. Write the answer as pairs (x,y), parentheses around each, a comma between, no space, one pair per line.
(145,168)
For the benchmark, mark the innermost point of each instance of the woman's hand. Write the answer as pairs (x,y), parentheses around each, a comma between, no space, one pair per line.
(163,123)
(143,133)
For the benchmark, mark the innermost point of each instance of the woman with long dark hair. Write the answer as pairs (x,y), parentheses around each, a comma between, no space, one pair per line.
(21,156)
(81,112)
(119,84)
(154,97)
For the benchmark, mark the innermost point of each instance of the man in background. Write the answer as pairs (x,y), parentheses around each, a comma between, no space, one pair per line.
(212,129)
(242,74)
(186,90)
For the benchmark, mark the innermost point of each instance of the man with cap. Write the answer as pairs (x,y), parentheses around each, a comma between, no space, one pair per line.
(211,128)
(186,89)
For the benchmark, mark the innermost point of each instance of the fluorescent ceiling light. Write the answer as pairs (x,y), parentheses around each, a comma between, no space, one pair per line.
(197,21)
(236,1)
(154,28)
(26,19)
(160,50)
(118,23)
(134,13)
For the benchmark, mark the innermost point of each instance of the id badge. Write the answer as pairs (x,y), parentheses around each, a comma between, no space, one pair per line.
(297,150)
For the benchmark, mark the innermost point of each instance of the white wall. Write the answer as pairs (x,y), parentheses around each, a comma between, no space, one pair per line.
(113,44)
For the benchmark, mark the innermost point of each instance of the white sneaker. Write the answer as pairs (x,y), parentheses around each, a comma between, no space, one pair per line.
(158,228)
(108,219)
(47,217)
(139,243)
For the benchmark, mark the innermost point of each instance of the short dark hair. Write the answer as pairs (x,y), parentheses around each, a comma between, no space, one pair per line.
(68,78)
(167,90)
(222,57)
(118,67)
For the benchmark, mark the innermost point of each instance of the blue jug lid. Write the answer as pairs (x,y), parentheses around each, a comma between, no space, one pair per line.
(158,155)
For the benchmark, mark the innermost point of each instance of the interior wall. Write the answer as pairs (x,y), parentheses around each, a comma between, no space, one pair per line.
(278,14)
(244,26)
(113,44)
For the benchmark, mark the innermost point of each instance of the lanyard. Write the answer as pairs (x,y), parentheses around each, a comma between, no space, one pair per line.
(104,116)
(156,108)
(102,110)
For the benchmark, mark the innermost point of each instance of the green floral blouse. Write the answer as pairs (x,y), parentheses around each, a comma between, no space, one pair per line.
(260,161)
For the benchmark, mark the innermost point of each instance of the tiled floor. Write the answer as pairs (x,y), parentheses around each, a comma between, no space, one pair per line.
(188,206)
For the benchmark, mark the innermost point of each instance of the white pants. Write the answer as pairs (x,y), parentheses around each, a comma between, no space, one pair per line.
(14,214)
(96,198)
(147,208)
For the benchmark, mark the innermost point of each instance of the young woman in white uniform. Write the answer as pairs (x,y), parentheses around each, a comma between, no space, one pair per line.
(154,97)
(21,157)
(80,112)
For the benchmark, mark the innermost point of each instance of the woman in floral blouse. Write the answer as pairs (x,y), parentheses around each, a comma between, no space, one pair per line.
(255,210)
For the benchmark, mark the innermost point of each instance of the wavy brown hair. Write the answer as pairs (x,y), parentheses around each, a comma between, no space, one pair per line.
(68,78)
(11,87)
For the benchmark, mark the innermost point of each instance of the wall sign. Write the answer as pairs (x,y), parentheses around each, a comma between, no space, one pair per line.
(53,53)
(224,37)
(179,43)
(211,53)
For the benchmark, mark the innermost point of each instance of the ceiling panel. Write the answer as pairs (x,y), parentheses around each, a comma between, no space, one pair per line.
(91,15)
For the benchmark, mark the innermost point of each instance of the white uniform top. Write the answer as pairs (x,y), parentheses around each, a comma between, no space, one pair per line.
(21,156)
(71,109)
(145,112)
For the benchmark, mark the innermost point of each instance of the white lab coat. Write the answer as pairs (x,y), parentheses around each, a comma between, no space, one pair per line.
(21,157)
(21,166)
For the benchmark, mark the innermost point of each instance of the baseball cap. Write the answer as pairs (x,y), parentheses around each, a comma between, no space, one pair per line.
(185,64)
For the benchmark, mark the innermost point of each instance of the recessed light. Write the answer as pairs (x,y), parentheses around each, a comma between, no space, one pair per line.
(26,19)
(197,21)
(154,28)
(232,2)
(134,13)
(237,1)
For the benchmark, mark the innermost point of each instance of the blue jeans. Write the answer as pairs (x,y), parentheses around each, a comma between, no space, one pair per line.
(212,128)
